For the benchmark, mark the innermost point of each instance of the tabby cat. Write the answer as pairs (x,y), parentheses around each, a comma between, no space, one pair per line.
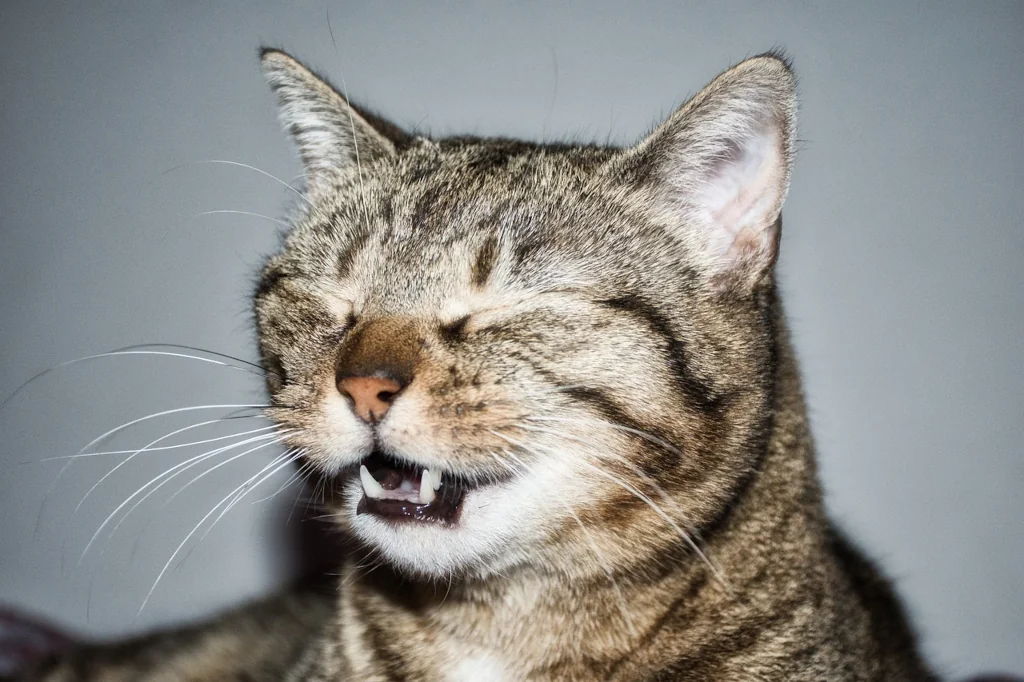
(551,393)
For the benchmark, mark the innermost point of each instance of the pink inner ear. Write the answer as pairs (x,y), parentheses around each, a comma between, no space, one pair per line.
(740,197)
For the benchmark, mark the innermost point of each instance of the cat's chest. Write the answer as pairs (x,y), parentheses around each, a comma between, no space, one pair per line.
(407,648)
(472,667)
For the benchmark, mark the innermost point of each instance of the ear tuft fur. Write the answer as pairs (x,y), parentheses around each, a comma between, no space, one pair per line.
(717,170)
(332,136)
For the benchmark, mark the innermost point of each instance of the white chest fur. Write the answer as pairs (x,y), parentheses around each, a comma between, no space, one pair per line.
(479,668)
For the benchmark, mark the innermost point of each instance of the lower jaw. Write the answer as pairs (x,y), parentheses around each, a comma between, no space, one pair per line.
(444,510)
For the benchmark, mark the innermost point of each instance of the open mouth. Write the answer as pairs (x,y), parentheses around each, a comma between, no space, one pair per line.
(406,492)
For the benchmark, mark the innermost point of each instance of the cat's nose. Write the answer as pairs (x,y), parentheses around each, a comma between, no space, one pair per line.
(371,396)
(376,362)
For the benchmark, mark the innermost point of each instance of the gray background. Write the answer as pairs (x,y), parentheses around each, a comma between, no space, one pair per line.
(901,262)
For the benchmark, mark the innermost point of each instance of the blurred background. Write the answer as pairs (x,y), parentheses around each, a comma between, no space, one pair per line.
(901,269)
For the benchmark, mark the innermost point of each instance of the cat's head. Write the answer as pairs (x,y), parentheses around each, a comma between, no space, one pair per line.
(498,353)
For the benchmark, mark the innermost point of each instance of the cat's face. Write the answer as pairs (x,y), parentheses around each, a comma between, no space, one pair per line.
(500,354)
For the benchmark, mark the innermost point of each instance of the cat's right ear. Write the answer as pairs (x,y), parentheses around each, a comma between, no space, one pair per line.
(331,134)
(716,172)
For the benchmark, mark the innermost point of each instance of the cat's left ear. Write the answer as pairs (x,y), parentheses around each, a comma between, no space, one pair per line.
(332,135)
(717,171)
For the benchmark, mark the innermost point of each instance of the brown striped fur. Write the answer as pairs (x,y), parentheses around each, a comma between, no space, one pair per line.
(593,336)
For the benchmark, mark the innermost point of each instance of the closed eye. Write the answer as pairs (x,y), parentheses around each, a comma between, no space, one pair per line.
(338,334)
(561,301)
(454,331)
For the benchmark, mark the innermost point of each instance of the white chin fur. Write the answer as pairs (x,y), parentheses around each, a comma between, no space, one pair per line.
(495,528)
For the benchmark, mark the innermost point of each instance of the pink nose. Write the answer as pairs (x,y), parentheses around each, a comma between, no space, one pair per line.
(371,396)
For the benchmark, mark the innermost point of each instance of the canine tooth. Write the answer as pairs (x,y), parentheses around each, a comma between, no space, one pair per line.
(426,487)
(370,485)
(437,479)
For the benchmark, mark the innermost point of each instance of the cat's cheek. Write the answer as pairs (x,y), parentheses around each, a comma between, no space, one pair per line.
(418,429)
(452,432)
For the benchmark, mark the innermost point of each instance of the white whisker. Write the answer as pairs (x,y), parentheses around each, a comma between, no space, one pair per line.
(618,427)
(296,475)
(646,500)
(188,464)
(601,559)
(180,467)
(181,346)
(187,538)
(140,450)
(648,480)
(285,459)
(306,470)
(351,120)
(668,519)
(126,350)
(248,213)
(241,165)
(280,437)
(176,446)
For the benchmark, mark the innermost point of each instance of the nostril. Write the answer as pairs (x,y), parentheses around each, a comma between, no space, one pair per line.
(369,396)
